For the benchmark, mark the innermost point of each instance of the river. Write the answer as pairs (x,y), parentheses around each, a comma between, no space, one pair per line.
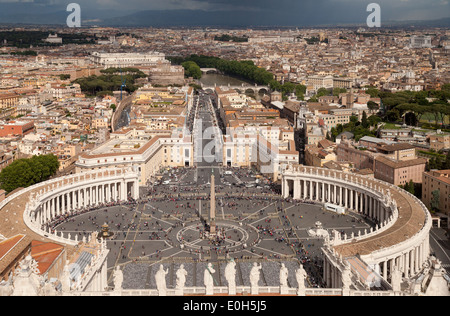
(221,80)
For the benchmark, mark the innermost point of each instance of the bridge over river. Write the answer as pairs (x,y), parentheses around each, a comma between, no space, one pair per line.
(243,88)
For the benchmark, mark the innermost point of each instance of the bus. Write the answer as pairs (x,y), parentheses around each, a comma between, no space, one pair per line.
(335,209)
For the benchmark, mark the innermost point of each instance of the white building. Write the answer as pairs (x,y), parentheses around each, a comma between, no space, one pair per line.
(137,148)
(117,60)
(53,39)
(318,82)
(420,41)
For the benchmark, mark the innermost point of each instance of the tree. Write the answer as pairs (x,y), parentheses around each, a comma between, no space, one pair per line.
(441,111)
(393,115)
(372,106)
(23,173)
(435,200)
(373,92)
(110,80)
(354,119)
(446,165)
(338,91)
(287,88)
(374,120)
(300,91)
(322,92)
(192,69)
(243,69)
(275,85)
(365,122)
(410,187)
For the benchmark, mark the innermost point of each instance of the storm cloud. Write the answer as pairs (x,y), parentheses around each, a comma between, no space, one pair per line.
(271,12)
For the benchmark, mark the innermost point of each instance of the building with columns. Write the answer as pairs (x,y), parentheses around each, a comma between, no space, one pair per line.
(43,203)
(392,259)
(147,151)
(399,242)
(86,190)
(118,60)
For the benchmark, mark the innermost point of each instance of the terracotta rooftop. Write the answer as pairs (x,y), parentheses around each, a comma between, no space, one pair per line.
(45,253)
(9,244)
(11,225)
(410,222)
(401,164)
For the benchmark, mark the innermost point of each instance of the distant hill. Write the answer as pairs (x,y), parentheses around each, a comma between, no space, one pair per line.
(445,22)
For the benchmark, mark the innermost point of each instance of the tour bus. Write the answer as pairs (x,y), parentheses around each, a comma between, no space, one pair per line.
(335,209)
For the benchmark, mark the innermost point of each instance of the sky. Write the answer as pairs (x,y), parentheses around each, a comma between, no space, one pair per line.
(319,11)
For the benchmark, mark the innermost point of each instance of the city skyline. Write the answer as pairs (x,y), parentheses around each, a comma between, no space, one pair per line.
(223,13)
(269,161)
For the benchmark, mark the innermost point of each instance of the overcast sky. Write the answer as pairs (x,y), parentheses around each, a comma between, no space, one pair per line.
(321,10)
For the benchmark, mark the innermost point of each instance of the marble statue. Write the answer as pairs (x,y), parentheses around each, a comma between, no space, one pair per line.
(300,276)
(6,288)
(208,279)
(346,280)
(65,279)
(230,276)
(254,278)
(160,278)
(27,281)
(396,280)
(181,278)
(284,273)
(118,279)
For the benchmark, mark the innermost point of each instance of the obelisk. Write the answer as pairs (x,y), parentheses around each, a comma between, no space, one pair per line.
(212,210)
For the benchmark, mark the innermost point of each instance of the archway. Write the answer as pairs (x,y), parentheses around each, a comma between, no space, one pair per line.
(263,91)
(250,91)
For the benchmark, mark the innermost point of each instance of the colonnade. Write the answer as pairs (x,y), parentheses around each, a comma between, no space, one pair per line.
(409,262)
(406,248)
(71,193)
(343,194)
(81,197)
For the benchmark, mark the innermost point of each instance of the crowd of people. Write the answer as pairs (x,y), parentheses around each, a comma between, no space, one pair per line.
(70,216)
(178,204)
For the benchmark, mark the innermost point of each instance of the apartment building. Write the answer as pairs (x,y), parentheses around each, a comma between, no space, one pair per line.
(359,159)
(8,100)
(439,141)
(399,172)
(436,190)
(318,156)
(16,128)
(318,82)
(400,151)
